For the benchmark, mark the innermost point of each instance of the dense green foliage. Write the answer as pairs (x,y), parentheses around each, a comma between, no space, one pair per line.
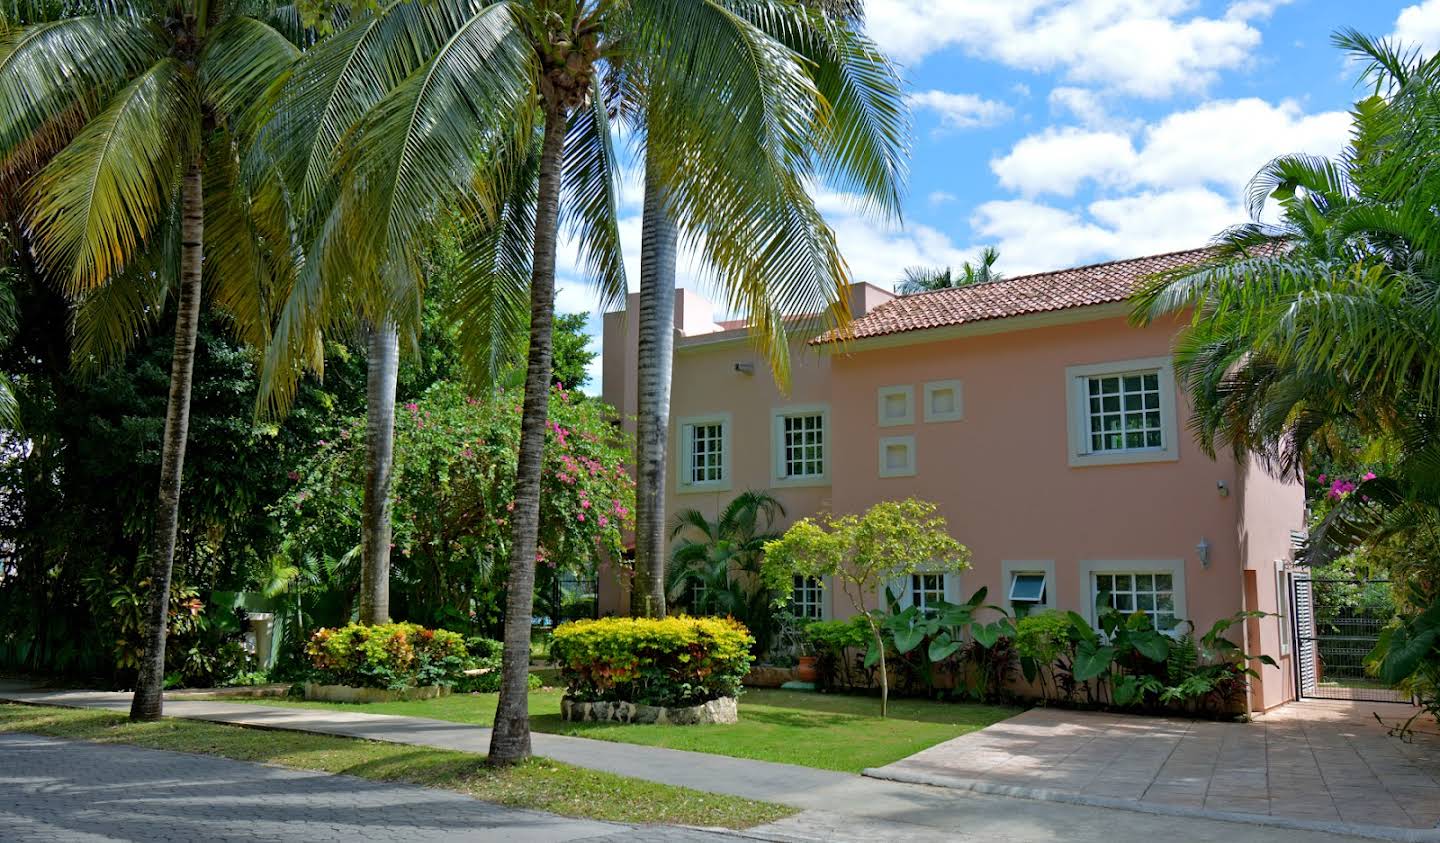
(675,661)
(392,655)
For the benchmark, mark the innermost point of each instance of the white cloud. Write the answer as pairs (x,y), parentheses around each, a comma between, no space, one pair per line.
(1253,9)
(1419,25)
(1148,48)
(1083,104)
(1060,160)
(940,197)
(960,111)
(1219,143)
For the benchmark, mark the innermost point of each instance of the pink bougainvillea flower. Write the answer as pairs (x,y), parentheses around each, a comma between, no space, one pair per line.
(584,503)
(1321,478)
(1369,475)
(412,407)
(604,522)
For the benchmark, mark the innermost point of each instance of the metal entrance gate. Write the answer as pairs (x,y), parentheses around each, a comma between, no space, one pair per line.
(1337,623)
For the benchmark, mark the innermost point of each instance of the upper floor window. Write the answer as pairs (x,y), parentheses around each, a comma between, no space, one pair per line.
(705,453)
(807,598)
(1122,412)
(801,445)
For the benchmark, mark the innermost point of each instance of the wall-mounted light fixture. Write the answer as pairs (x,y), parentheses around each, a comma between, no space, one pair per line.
(745,368)
(1203,549)
(1223,488)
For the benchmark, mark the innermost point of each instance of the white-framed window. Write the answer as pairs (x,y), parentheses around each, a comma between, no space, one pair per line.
(1122,412)
(897,456)
(1028,585)
(1282,606)
(896,405)
(802,445)
(704,463)
(1156,588)
(807,598)
(925,589)
(944,401)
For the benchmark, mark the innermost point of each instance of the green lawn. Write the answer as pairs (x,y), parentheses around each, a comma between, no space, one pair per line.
(539,784)
(832,732)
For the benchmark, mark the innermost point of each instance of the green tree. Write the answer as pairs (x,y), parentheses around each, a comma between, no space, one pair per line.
(862,144)
(864,552)
(141,113)
(924,279)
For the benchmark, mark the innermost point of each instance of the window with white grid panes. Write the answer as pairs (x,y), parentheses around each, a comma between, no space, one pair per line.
(807,598)
(927,590)
(1123,412)
(707,452)
(803,445)
(1151,592)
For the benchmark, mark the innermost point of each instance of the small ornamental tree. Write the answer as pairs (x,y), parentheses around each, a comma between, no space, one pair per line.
(863,552)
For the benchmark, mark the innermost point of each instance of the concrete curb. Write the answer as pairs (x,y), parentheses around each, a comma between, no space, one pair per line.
(1373,832)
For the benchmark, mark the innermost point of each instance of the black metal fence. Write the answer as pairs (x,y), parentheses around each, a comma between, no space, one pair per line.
(1337,623)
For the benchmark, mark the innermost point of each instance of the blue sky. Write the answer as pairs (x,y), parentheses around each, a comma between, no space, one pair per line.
(1087,130)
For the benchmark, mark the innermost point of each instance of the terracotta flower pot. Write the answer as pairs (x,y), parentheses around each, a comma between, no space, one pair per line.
(805,671)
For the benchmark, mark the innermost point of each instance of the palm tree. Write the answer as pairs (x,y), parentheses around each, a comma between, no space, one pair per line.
(1319,333)
(500,109)
(864,143)
(710,554)
(140,112)
(922,279)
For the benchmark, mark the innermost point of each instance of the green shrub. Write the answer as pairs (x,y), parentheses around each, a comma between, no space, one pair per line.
(392,655)
(673,661)
(838,646)
(1042,636)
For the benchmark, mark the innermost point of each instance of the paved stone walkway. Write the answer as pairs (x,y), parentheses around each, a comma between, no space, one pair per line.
(75,791)
(1314,762)
(836,806)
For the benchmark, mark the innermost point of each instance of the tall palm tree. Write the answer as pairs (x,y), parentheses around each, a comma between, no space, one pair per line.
(922,279)
(140,111)
(863,143)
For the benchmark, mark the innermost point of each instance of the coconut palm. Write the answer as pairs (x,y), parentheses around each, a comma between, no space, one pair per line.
(863,145)
(138,112)
(501,108)
(924,279)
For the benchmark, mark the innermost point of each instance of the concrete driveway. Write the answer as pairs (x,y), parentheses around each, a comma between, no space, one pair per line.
(1327,766)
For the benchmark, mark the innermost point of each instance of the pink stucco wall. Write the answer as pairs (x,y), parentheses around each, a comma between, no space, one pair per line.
(1271,508)
(1001,475)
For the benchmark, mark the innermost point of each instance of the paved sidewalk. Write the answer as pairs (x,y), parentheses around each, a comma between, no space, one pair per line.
(836,806)
(76,791)
(1307,762)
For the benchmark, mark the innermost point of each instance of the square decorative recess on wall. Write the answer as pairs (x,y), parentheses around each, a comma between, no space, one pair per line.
(944,401)
(896,405)
(897,456)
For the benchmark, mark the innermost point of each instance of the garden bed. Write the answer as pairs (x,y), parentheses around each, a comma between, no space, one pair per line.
(723,710)
(352,694)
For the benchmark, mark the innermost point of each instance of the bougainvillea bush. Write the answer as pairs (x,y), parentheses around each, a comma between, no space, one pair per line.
(453,485)
(674,661)
(392,655)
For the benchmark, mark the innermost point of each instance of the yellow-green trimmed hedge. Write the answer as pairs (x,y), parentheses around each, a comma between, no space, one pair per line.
(391,655)
(676,661)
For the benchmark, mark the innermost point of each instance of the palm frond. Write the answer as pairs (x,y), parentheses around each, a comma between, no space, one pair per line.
(243,64)
(591,214)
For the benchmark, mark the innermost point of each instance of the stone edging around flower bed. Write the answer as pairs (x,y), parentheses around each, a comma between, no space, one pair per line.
(352,694)
(722,710)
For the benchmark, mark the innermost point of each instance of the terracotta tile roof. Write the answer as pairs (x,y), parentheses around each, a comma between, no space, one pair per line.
(1043,292)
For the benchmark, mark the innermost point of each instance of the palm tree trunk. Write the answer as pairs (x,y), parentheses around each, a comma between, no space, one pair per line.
(150,686)
(652,417)
(510,739)
(381,374)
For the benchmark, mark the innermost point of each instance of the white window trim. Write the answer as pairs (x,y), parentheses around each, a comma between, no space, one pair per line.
(906,470)
(935,386)
(826,597)
(1078,407)
(1282,606)
(1174,567)
(777,445)
(683,464)
(885,392)
(1008,570)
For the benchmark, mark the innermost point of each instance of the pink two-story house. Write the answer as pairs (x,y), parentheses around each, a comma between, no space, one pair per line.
(1049,431)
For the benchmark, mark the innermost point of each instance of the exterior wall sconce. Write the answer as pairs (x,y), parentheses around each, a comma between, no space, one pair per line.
(1223,488)
(1203,549)
(745,368)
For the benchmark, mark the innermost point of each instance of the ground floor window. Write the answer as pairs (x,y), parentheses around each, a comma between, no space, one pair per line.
(1151,592)
(807,598)
(927,591)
